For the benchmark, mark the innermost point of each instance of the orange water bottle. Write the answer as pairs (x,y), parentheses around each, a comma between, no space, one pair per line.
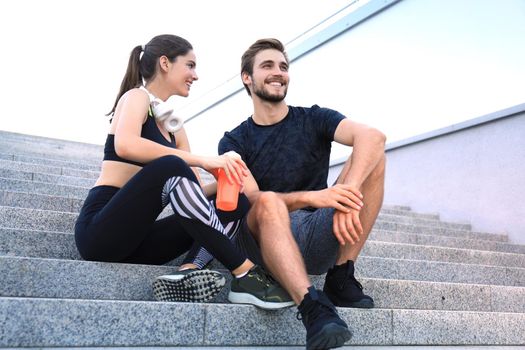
(227,193)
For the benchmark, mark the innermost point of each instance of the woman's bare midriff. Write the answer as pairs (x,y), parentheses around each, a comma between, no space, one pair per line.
(116,174)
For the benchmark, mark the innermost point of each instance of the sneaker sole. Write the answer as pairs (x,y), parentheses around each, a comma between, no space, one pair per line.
(197,286)
(245,298)
(330,336)
(361,304)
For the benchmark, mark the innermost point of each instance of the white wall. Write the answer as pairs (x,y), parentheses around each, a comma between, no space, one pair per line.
(476,174)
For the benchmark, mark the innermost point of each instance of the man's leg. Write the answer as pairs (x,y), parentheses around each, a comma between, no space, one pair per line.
(340,284)
(269,222)
(372,190)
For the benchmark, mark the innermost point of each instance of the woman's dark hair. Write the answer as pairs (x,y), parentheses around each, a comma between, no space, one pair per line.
(145,67)
(249,55)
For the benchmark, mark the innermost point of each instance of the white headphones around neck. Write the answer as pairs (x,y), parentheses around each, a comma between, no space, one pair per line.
(163,112)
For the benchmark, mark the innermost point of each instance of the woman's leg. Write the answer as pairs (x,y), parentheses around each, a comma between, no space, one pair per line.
(198,256)
(122,226)
(200,220)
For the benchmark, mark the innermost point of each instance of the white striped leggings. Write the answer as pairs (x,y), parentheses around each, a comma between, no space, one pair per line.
(120,225)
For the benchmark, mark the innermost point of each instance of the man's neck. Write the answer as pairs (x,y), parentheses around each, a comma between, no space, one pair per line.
(269,113)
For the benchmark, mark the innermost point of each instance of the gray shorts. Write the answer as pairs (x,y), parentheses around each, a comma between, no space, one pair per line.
(313,233)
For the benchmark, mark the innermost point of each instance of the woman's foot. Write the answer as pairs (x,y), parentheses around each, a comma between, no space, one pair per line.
(190,285)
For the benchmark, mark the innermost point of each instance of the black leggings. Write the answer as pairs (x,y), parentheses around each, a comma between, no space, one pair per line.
(120,225)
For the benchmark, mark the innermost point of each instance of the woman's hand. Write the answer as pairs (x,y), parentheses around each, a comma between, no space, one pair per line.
(232,165)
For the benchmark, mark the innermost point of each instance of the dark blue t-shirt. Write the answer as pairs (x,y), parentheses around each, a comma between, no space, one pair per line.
(292,155)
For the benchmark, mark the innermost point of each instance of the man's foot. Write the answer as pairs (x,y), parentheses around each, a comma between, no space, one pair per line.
(190,285)
(259,289)
(324,328)
(343,289)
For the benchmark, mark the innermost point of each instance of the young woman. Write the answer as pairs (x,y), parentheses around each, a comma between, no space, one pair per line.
(144,169)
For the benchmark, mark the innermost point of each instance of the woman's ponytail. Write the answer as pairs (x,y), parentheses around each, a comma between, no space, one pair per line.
(132,78)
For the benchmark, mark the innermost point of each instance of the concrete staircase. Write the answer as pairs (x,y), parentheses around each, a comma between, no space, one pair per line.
(434,282)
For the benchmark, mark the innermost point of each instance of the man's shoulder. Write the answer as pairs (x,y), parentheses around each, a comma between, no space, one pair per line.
(234,136)
(313,110)
(304,109)
(239,129)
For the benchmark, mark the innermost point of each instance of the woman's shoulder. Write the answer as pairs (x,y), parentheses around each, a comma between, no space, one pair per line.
(136,98)
(136,93)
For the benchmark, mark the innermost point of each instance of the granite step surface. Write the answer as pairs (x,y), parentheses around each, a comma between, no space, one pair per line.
(70,155)
(40,201)
(65,322)
(49,220)
(345,347)
(53,278)
(417,270)
(48,178)
(407,211)
(52,244)
(438,230)
(50,201)
(434,282)
(7,184)
(410,220)
(39,145)
(446,241)
(46,169)
(75,164)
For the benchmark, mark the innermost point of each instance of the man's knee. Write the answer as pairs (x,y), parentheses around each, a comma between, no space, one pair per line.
(268,205)
(268,209)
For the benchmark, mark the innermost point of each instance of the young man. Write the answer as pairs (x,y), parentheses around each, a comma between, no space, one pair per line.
(298,225)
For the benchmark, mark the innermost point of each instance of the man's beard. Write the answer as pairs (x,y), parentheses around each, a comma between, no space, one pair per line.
(266,96)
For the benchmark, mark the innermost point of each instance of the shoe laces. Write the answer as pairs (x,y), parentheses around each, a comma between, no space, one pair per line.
(262,276)
(315,308)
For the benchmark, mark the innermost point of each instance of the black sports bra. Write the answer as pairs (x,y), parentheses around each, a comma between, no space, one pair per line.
(150,131)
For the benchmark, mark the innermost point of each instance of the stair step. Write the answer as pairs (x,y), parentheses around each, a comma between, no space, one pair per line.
(67,279)
(432,253)
(52,200)
(439,271)
(40,201)
(18,242)
(436,230)
(46,169)
(43,188)
(446,241)
(434,282)
(49,220)
(48,148)
(47,178)
(84,165)
(387,209)
(411,220)
(63,323)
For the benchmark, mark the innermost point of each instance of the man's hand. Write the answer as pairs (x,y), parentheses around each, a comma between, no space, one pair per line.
(347,226)
(340,196)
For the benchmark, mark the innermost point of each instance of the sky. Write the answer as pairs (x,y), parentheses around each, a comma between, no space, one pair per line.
(63,61)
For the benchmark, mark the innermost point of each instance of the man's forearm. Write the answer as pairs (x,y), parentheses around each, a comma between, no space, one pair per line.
(293,200)
(367,152)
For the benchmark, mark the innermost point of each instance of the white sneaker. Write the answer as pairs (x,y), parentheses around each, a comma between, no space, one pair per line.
(190,285)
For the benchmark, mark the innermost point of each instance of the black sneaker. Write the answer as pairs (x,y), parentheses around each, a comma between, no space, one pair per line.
(259,289)
(191,285)
(343,289)
(324,328)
